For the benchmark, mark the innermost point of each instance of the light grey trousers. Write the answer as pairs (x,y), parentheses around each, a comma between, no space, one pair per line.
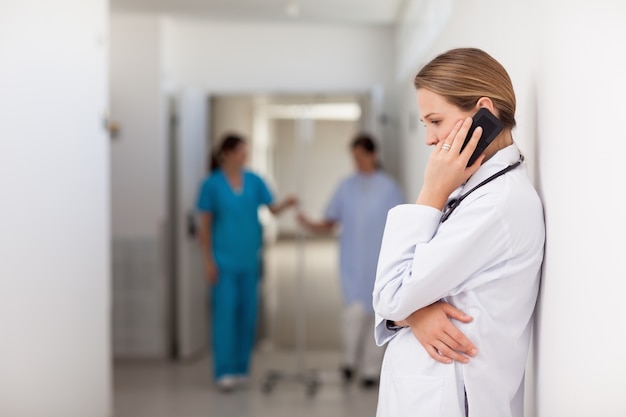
(359,349)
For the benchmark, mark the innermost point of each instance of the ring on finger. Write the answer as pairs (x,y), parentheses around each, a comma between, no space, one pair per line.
(445,147)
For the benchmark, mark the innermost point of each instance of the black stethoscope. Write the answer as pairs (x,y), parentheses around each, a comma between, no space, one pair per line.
(454,203)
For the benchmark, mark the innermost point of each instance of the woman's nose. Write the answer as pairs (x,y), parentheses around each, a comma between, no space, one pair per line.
(431,138)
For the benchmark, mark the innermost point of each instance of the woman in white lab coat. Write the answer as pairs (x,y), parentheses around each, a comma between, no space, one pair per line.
(471,244)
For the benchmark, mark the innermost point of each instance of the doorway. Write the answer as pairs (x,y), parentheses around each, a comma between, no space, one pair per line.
(300,145)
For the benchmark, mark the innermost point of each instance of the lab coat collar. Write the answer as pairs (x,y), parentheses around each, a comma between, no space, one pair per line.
(502,159)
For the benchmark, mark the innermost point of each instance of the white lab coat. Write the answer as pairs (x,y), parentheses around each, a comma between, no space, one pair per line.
(485,260)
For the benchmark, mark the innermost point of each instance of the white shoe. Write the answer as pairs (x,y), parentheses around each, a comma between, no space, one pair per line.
(227,383)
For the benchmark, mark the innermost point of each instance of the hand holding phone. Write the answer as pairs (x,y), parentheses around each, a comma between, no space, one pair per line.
(491,125)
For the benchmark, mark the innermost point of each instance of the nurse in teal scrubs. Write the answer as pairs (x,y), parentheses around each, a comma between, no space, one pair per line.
(231,237)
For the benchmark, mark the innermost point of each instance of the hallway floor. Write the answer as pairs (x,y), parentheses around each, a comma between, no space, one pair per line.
(159,389)
(301,287)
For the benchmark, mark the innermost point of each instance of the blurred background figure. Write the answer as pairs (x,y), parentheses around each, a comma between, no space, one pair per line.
(359,208)
(231,238)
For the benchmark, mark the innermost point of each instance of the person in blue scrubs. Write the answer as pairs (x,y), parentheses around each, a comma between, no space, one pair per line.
(359,207)
(231,237)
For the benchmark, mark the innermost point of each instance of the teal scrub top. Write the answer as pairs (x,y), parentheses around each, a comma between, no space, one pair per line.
(236,230)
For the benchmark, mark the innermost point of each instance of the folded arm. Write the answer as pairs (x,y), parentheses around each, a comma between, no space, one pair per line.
(417,268)
(420,264)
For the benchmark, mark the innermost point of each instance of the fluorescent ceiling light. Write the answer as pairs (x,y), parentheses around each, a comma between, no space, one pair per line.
(326,111)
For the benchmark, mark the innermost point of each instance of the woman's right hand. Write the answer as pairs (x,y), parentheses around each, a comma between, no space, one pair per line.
(447,167)
(433,328)
(210,272)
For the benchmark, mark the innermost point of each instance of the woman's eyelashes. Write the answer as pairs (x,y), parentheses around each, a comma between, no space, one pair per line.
(431,122)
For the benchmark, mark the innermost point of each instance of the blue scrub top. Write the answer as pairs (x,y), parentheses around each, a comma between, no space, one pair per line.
(360,205)
(236,230)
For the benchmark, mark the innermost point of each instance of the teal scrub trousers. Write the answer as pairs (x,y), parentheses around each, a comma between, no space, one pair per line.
(234,305)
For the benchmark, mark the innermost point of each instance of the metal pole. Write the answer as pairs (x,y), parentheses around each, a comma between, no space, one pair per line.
(304,136)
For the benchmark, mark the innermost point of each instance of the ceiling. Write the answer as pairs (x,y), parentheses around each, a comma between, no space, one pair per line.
(378,12)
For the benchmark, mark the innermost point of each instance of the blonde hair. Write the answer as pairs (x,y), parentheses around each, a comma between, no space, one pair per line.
(464,75)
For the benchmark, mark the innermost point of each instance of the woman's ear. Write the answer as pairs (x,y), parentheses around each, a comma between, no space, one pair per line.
(485,102)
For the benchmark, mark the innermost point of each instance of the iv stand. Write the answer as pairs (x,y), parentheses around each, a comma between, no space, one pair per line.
(308,377)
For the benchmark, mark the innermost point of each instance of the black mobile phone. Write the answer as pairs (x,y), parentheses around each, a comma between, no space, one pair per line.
(492,126)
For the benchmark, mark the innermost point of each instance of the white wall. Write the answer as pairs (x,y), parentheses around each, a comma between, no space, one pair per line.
(54,215)
(138,187)
(273,57)
(567,68)
(580,96)
(138,154)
